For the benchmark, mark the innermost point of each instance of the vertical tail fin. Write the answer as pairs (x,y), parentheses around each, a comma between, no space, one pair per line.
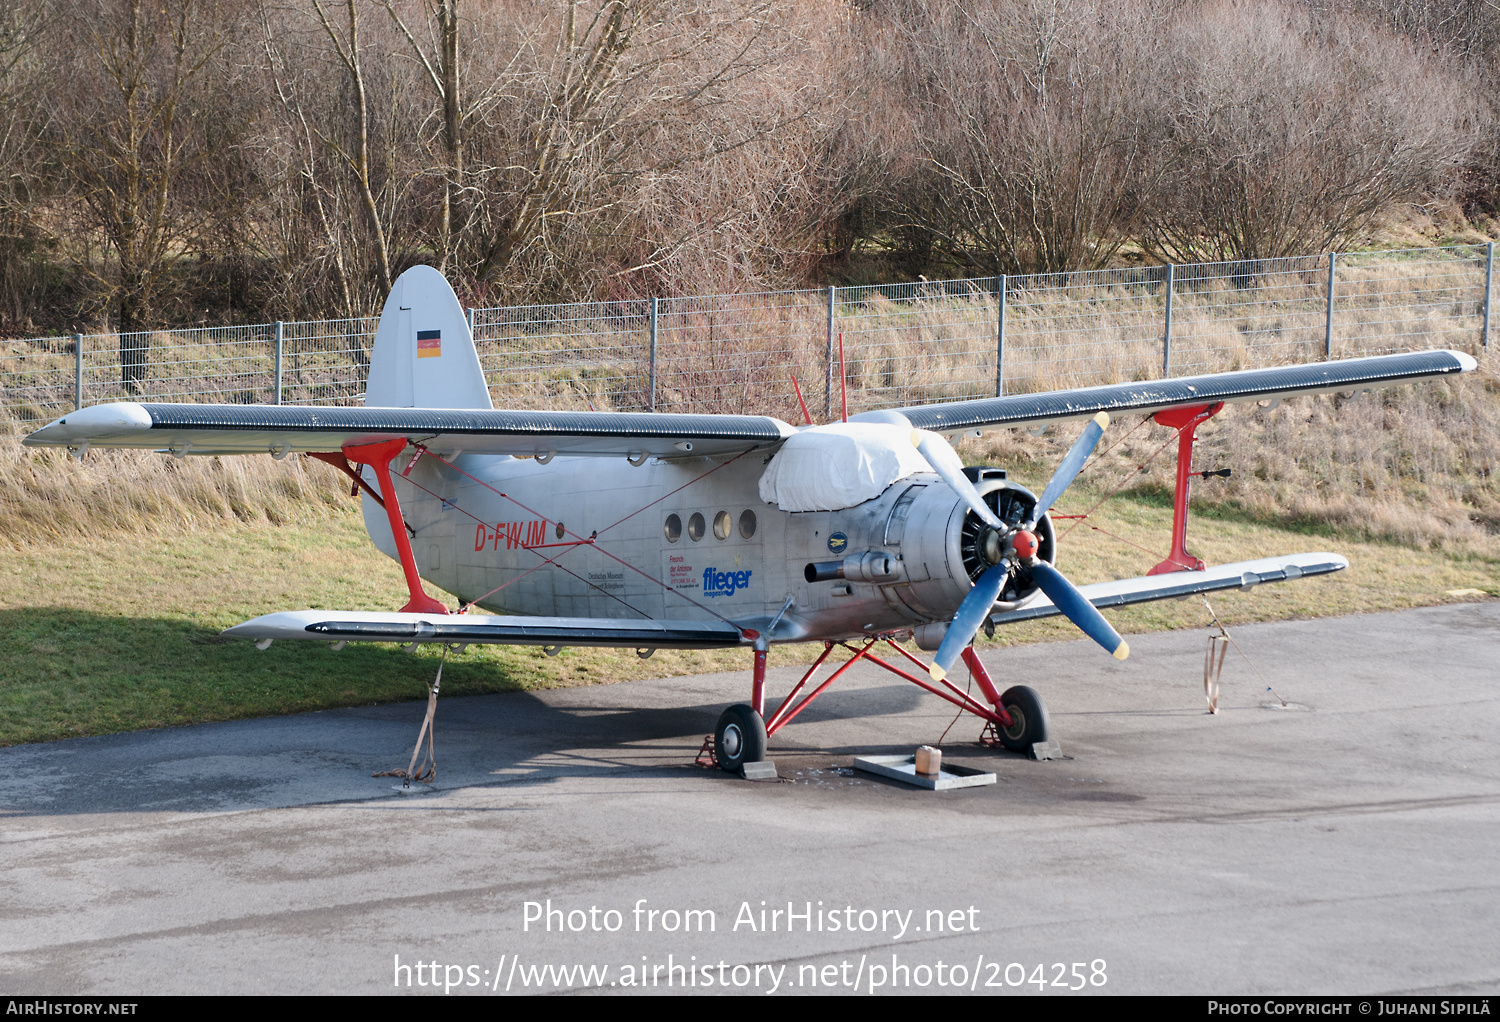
(424,354)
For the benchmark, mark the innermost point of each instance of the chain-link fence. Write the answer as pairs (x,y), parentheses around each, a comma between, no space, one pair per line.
(313,362)
(778,352)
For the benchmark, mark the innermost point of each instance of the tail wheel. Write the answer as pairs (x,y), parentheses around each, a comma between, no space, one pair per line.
(740,738)
(1028,716)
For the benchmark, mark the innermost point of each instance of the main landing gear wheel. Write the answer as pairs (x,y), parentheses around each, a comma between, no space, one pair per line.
(740,738)
(1028,716)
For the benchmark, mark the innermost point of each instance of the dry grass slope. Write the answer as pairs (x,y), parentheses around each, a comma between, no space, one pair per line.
(1414,465)
(48,497)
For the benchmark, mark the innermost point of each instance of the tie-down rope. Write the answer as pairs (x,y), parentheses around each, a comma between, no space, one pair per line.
(427,773)
(1224,640)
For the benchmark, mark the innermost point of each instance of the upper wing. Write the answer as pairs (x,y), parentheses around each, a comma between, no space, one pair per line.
(1179,584)
(252,429)
(363,626)
(1244,385)
(256,429)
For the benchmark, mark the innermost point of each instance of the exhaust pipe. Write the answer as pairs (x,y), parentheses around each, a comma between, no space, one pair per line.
(871,566)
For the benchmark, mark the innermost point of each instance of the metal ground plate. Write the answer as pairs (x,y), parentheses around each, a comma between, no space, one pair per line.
(904,769)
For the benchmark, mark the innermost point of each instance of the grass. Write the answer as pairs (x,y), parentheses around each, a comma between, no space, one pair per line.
(1416,465)
(118,572)
(121,632)
(48,497)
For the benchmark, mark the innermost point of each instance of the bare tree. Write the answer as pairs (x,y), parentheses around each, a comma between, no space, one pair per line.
(439,58)
(1277,133)
(125,133)
(604,120)
(22,119)
(347,46)
(1026,141)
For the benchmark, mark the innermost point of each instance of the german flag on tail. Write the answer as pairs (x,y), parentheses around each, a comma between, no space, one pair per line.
(429,343)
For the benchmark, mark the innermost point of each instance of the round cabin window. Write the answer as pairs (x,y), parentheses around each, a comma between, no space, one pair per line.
(695,527)
(747,524)
(673,528)
(722,525)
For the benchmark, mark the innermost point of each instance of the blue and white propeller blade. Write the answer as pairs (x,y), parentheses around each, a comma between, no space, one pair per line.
(971,614)
(1075,607)
(976,606)
(950,468)
(1071,465)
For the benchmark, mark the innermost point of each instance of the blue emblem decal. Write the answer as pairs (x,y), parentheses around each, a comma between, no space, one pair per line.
(838,543)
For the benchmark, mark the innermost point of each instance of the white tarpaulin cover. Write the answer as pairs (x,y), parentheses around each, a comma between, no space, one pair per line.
(825,468)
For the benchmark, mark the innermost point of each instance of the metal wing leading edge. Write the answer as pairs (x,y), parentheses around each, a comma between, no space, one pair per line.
(1354,374)
(284,429)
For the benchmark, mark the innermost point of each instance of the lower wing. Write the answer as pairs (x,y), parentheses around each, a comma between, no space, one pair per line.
(367,626)
(1243,575)
(364,626)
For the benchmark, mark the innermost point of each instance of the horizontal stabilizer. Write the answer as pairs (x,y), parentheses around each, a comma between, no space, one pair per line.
(1242,575)
(359,626)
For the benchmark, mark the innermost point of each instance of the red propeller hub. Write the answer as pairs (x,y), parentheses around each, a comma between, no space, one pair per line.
(1025,544)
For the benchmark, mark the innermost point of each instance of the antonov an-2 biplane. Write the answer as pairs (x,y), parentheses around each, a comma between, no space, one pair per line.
(683,531)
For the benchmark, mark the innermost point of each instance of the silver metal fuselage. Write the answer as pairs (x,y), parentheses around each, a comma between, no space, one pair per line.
(491,549)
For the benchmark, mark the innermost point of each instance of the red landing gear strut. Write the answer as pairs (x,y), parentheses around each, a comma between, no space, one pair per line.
(1186,422)
(378,456)
(996,715)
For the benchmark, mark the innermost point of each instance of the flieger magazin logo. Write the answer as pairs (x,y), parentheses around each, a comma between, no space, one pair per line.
(838,543)
(724,583)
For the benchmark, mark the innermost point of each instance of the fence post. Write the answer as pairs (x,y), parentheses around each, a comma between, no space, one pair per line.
(651,372)
(78,366)
(1489,274)
(280,336)
(1328,326)
(828,361)
(469,315)
(1000,340)
(1166,337)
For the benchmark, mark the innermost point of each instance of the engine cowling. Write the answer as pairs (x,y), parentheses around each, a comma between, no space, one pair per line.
(944,546)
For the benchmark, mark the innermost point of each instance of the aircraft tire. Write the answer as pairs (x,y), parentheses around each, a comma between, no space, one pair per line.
(1029,714)
(739,738)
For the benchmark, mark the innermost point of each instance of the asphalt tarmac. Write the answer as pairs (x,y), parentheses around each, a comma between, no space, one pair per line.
(1346,845)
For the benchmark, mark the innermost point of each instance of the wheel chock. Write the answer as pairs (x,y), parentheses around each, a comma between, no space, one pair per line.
(765,770)
(1046,750)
